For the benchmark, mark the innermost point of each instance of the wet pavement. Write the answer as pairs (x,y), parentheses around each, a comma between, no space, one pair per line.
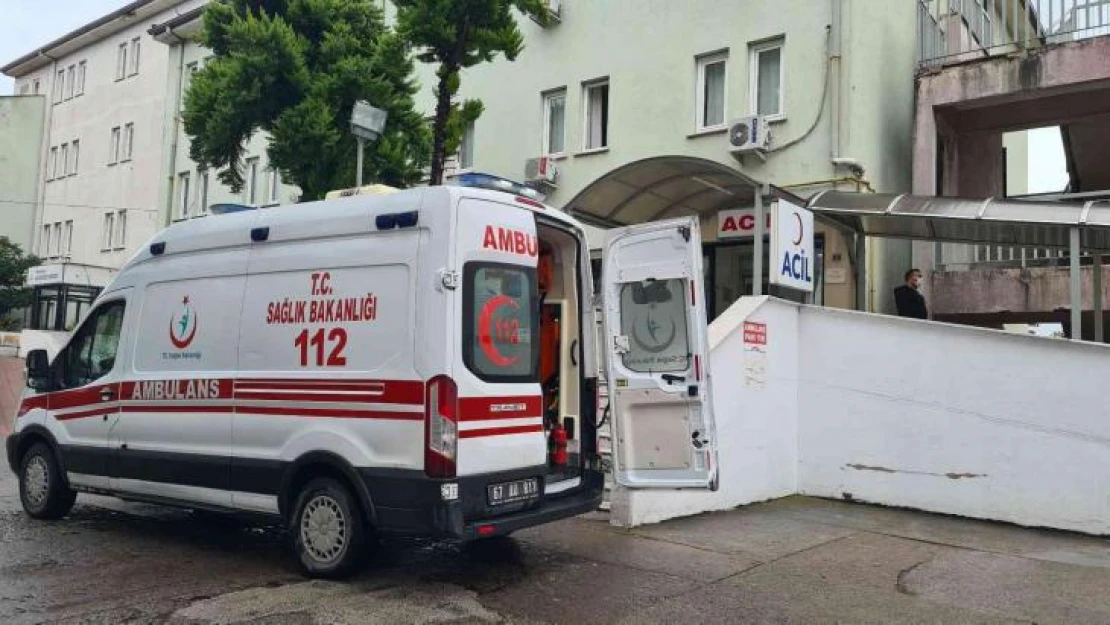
(793,560)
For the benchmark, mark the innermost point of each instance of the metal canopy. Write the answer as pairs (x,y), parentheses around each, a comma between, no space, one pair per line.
(661,187)
(992,221)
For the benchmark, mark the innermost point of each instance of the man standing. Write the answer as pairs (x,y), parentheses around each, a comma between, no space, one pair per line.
(908,298)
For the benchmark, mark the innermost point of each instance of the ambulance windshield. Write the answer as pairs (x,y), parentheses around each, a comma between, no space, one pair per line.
(500,322)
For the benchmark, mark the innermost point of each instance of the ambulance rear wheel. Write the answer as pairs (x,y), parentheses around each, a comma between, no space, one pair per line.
(328,530)
(42,491)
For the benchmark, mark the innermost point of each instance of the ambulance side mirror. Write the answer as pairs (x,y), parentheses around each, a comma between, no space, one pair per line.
(38,369)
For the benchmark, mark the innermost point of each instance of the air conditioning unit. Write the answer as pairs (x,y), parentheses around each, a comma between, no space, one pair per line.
(541,171)
(554,11)
(748,135)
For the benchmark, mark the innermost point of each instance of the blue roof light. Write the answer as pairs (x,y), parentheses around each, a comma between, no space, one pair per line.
(495,183)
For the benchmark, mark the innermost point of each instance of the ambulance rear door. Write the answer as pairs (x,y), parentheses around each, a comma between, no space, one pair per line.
(657,356)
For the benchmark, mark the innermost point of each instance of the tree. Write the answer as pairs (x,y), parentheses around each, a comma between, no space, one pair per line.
(294,69)
(13,274)
(457,34)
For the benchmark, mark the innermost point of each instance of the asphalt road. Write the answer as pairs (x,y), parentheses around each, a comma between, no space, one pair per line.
(795,560)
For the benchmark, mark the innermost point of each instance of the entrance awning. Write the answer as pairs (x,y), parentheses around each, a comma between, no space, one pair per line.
(955,220)
(661,187)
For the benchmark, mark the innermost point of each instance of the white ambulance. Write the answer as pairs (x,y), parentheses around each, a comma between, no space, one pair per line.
(416,362)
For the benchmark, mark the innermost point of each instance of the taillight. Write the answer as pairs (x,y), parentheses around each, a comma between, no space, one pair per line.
(441,427)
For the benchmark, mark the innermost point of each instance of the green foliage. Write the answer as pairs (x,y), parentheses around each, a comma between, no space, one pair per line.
(457,34)
(13,273)
(294,68)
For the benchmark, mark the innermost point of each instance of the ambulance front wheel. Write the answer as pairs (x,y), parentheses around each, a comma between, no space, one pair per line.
(42,490)
(328,529)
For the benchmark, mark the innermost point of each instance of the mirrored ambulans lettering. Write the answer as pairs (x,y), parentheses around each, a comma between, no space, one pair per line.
(511,241)
(322,346)
(176,389)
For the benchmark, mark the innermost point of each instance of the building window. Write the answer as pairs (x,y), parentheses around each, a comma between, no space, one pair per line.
(712,91)
(82,68)
(67,239)
(52,166)
(113,147)
(466,147)
(75,154)
(767,79)
(121,61)
(59,85)
(273,185)
(71,81)
(24,89)
(555,122)
(38,87)
(183,194)
(56,239)
(121,230)
(63,162)
(250,193)
(187,80)
(134,57)
(596,98)
(203,175)
(44,245)
(128,141)
(108,232)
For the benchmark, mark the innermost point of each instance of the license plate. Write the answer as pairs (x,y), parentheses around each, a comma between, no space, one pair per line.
(512,492)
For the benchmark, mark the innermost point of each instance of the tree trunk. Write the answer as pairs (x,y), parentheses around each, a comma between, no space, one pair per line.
(439,126)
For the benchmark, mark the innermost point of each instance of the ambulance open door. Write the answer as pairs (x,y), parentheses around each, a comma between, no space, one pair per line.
(657,357)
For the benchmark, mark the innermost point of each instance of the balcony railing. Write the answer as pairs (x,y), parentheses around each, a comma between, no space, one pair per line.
(953,31)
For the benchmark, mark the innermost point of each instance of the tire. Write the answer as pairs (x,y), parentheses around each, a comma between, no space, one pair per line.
(328,530)
(42,490)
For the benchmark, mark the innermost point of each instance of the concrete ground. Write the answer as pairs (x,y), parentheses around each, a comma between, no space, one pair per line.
(795,560)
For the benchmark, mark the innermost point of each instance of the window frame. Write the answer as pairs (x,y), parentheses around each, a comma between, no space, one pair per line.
(59,86)
(133,66)
(470,339)
(82,72)
(113,145)
(60,368)
(701,64)
(464,146)
(250,189)
(121,61)
(587,88)
(547,98)
(44,243)
(120,241)
(127,142)
(108,231)
(52,164)
(75,151)
(755,50)
(71,80)
(63,158)
(67,239)
(183,183)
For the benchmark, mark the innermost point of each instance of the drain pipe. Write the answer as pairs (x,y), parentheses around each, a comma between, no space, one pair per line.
(835,35)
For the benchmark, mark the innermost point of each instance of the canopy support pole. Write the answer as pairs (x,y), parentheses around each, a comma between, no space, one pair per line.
(1096,293)
(757,252)
(1076,287)
(861,272)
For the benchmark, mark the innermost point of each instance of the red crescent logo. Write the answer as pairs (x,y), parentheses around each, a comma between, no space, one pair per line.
(185,342)
(485,330)
(801,230)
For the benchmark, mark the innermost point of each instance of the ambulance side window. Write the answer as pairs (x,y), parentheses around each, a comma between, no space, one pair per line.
(653,317)
(500,322)
(92,352)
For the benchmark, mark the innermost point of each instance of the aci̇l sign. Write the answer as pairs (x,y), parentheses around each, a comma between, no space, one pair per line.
(792,249)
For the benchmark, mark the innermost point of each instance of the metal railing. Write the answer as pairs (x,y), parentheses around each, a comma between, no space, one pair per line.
(952,31)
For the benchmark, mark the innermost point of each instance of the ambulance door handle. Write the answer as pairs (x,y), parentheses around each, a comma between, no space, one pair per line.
(670,378)
(260,234)
(574,353)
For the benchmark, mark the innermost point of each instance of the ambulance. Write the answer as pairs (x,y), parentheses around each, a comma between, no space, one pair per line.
(420,362)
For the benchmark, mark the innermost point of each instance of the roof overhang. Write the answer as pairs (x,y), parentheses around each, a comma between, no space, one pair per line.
(661,187)
(96,30)
(184,26)
(1004,222)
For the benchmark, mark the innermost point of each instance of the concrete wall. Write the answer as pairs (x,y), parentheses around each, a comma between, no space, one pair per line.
(21,125)
(903,413)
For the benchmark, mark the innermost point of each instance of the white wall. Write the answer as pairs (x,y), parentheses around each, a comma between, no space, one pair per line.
(950,419)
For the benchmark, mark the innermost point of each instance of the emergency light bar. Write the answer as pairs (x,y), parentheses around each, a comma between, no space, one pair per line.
(495,183)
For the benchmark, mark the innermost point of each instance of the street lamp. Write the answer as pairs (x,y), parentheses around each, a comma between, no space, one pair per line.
(367,124)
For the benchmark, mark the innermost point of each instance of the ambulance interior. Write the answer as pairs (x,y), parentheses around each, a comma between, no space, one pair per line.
(559,353)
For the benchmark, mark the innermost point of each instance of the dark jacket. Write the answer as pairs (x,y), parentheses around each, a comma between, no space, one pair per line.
(910,303)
